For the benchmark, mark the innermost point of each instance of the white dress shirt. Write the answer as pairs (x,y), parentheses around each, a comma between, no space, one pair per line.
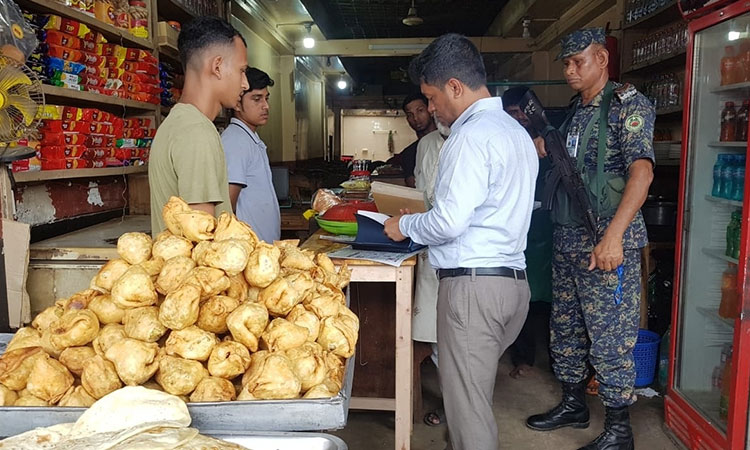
(484,193)
(248,166)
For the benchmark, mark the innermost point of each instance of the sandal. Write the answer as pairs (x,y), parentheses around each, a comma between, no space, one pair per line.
(593,387)
(435,418)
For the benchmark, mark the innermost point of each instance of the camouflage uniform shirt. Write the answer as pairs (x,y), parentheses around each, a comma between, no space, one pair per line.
(629,138)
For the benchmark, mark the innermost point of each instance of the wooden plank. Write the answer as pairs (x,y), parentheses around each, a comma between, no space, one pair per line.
(404,375)
(372,403)
(56,94)
(28,177)
(112,33)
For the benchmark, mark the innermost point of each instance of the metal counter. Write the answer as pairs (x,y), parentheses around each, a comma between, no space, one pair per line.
(212,418)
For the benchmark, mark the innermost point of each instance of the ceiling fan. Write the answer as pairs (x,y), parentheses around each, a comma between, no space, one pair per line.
(412,19)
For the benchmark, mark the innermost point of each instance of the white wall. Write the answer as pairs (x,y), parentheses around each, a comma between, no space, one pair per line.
(357,134)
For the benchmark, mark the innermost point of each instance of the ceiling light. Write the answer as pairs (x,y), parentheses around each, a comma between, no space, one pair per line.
(308,41)
(342,84)
(733,35)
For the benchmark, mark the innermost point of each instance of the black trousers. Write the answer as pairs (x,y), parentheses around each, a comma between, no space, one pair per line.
(536,328)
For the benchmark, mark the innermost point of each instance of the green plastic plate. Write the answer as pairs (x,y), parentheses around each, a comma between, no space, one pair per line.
(335,227)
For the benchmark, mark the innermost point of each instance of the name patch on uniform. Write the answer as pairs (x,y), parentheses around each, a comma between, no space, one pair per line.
(634,123)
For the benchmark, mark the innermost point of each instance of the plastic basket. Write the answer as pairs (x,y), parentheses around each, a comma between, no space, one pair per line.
(646,354)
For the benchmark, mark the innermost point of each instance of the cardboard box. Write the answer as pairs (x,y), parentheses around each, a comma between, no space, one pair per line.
(16,237)
(167,35)
(391,198)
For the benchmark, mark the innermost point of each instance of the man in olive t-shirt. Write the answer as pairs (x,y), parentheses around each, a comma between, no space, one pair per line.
(187,159)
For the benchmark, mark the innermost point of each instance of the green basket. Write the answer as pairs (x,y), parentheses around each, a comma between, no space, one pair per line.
(335,227)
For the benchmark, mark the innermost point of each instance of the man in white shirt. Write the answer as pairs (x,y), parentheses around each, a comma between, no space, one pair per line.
(476,233)
(251,189)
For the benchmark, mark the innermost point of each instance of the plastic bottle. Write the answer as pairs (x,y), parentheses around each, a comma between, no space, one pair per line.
(738,182)
(727,177)
(737,216)
(664,358)
(726,379)
(716,189)
(742,122)
(728,66)
(728,308)
(728,123)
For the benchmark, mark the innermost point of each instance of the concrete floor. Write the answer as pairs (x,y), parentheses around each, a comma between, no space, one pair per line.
(515,399)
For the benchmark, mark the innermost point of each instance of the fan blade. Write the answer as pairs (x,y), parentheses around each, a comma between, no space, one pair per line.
(11,76)
(6,126)
(26,106)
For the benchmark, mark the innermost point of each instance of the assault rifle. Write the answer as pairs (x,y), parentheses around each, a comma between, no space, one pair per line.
(564,169)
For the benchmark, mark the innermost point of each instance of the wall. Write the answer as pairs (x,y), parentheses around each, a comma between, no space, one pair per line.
(357,134)
(264,57)
(310,110)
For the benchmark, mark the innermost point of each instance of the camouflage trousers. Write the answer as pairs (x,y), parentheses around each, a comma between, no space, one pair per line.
(587,324)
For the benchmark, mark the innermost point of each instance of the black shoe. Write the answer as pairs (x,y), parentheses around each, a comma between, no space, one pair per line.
(617,434)
(571,412)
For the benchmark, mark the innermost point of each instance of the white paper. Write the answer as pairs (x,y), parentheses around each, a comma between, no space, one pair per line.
(377,217)
(394,259)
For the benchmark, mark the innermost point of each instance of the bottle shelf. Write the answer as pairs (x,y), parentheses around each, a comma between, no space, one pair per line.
(112,33)
(672,112)
(713,315)
(719,254)
(668,61)
(736,144)
(662,16)
(739,87)
(724,201)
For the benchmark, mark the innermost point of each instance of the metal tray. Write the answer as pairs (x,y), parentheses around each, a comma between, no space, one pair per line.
(213,418)
(286,441)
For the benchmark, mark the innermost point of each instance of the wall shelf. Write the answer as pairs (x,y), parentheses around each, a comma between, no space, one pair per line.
(662,16)
(56,94)
(719,254)
(112,33)
(669,61)
(29,177)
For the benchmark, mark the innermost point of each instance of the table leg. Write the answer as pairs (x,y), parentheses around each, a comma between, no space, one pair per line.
(404,280)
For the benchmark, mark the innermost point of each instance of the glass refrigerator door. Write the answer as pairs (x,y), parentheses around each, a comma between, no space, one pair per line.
(712,217)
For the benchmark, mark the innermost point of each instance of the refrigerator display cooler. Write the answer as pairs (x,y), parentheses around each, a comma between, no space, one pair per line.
(706,405)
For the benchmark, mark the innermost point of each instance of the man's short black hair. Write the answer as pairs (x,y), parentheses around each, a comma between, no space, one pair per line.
(203,32)
(449,56)
(257,79)
(411,97)
(513,96)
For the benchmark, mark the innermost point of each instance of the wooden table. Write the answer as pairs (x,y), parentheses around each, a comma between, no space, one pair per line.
(364,272)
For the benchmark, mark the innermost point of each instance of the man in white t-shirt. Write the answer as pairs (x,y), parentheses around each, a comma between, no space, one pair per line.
(251,189)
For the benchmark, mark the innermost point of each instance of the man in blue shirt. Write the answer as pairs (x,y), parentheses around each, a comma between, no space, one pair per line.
(251,189)
(476,233)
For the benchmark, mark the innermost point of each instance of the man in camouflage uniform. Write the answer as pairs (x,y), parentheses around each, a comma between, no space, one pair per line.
(596,285)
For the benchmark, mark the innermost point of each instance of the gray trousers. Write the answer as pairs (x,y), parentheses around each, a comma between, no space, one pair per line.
(477,319)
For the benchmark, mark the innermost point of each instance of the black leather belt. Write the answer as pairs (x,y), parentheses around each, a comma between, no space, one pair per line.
(483,272)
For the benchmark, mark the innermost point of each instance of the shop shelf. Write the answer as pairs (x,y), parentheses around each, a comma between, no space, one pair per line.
(724,201)
(112,33)
(174,10)
(28,177)
(662,16)
(668,61)
(170,54)
(735,144)
(713,315)
(56,94)
(719,254)
(738,87)
(668,162)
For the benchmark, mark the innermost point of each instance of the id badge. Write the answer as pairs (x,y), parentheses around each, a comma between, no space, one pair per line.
(572,144)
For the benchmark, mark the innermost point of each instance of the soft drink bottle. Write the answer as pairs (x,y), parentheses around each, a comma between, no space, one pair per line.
(726,177)
(716,190)
(738,184)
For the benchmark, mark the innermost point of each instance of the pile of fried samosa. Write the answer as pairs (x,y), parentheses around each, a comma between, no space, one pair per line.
(205,311)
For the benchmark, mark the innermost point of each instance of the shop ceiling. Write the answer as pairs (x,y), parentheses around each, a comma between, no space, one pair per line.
(375,46)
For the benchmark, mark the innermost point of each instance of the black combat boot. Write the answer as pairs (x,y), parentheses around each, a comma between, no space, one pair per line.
(571,412)
(617,434)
